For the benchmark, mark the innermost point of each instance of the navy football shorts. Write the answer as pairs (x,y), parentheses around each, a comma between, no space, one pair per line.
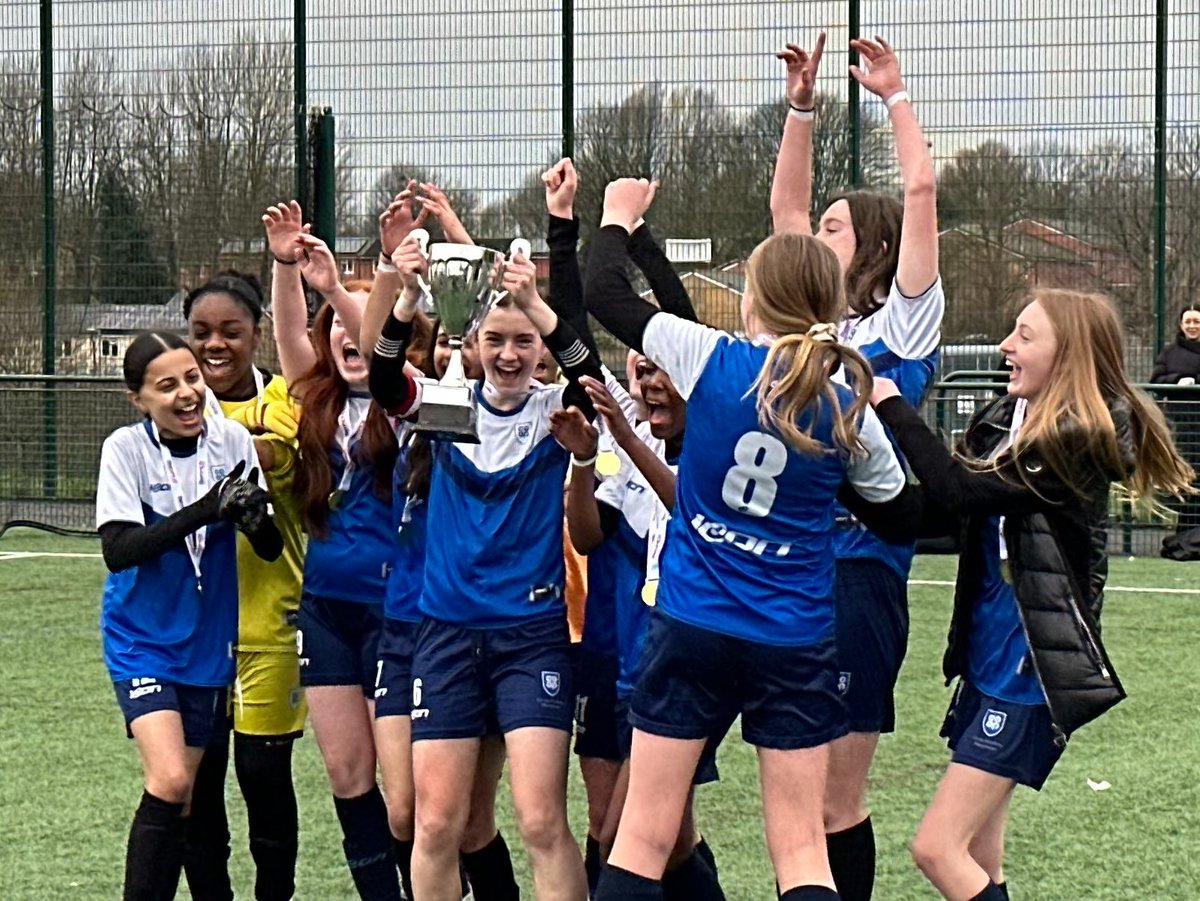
(596,727)
(1015,741)
(872,638)
(467,683)
(204,710)
(393,669)
(694,680)
(706,767)
(337,642)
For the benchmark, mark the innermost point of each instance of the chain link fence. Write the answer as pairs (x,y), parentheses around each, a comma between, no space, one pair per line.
(140,142)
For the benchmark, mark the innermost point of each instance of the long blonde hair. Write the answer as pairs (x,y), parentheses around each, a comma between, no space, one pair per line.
(1072,423)
(796,293)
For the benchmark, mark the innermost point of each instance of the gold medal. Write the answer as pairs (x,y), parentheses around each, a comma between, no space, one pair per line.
(608,463)
(335,498)
(650,592)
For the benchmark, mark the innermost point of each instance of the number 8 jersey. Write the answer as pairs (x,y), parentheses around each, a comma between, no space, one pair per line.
(749,550)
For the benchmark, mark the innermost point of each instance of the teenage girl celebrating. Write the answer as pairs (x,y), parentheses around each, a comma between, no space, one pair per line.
(1027,493)
(493,643)
(888,255)
(223,317)
(747,573)
(343,488)
(168,499)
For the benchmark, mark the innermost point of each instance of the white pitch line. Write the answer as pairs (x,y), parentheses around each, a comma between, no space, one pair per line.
(1120,588)
(26,555)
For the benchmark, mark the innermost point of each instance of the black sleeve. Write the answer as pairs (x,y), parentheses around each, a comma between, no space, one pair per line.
(576,361)
(896,521)
(1159,374)
(948,481)
(127,544)
(664,281)
(392,387)
(608,293)
(566,283)
(610,518)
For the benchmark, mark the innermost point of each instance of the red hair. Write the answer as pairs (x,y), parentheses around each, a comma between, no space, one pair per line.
(324,393)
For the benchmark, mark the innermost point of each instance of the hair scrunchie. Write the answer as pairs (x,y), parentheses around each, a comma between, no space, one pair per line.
(823,331)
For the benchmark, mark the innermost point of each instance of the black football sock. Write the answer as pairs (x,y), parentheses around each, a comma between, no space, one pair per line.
(264,773)
(810,893)
(490,872)
(692,880)
(993,892)
(402,851)
(621,885)
(852,861)
(706,852)
(206,849)
(154,855)
(367,841)
(591,862)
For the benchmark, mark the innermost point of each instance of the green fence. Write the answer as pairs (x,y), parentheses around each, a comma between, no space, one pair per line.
(140,142)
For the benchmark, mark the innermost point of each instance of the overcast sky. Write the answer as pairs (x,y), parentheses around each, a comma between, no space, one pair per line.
(473,88)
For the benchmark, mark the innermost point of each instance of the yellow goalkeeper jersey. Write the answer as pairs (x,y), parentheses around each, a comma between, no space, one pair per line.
(269,593)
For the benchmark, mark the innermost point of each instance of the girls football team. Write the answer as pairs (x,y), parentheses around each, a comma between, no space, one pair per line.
(752,565)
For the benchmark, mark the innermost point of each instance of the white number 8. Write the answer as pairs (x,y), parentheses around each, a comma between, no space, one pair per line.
(749,485)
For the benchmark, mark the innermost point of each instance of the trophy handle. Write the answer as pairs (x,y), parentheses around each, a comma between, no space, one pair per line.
(520,246)
(421,236)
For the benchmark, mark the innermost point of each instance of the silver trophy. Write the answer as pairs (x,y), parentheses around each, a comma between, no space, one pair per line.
(461,279)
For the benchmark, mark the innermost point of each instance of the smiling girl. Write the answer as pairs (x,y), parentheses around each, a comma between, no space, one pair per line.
(1027,494)
(223,317)
(168,500)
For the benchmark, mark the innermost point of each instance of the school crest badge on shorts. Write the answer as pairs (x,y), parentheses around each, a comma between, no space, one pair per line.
(843,685)
(993,722)
(551,683)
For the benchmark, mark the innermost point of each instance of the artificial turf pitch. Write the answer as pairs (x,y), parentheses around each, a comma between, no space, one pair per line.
(69,779)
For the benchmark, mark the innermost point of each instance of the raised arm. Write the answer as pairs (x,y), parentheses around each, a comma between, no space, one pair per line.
(791,188)
(657,473)
(880,74)
(589,521)
(392,385)
(395,224)
(576,360)
(320,270)
(664,281)
(285,226)
(562,236)
(434,202)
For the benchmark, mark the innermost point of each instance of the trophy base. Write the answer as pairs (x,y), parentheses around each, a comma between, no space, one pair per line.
(447,412)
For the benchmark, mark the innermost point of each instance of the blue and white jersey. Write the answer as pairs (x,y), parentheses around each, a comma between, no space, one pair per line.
(157,619)
(494,552)
(998,652)
(900,340)
(406,572)
(630,493)
(350,563)
(749,549)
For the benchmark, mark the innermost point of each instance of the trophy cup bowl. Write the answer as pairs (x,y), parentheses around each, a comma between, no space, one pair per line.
(460,280)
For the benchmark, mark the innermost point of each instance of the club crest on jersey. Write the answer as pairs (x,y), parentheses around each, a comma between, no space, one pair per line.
(843,683)
(993,722)
(551,683)
(219,472)
(524,429)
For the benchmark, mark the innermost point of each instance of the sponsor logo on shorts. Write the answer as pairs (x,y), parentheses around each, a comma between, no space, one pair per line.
(551,683)
(843,683)
(142,687)
(418,712)
(993,722)
(300,647)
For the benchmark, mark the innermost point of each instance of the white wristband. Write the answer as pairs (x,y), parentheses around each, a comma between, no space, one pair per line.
(898,97)
(575,461)
(384,265)
(804,115)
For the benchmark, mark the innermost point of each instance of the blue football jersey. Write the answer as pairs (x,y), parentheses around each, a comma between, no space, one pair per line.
(350,563)
(998,661)
(406,572)
(156,619)
(900,340)
(749,548)
(494,552)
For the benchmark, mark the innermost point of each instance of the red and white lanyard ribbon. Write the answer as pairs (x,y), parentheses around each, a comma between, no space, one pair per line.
(196,541)
(347,435)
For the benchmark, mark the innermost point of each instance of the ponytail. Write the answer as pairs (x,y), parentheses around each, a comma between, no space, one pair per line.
(797,376)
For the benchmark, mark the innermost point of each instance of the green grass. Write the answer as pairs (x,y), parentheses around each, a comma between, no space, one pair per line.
(69,780)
